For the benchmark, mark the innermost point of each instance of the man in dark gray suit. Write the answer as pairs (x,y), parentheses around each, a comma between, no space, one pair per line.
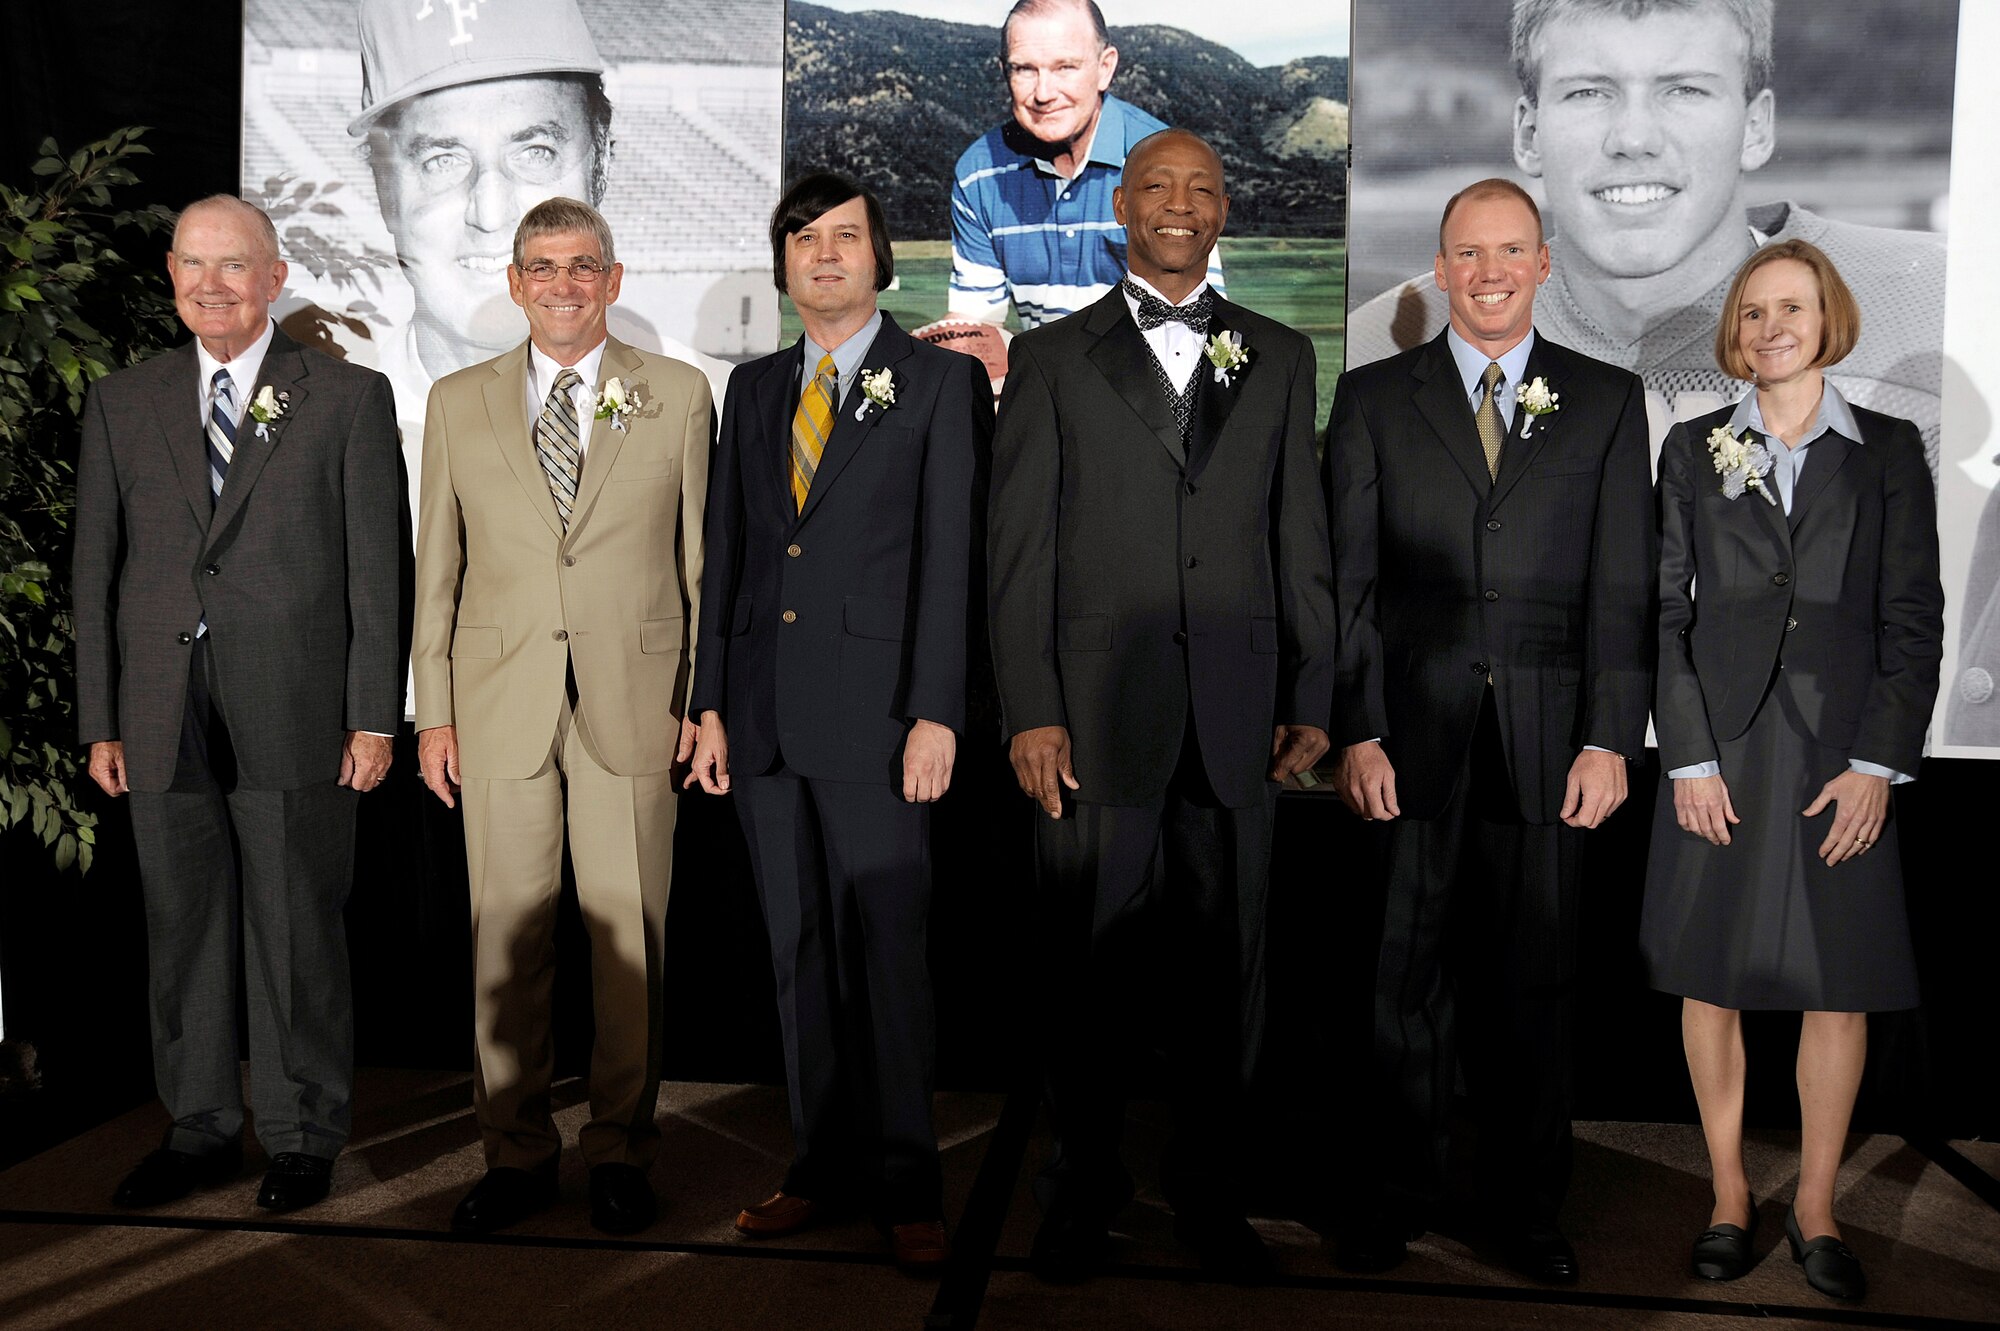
(239,672)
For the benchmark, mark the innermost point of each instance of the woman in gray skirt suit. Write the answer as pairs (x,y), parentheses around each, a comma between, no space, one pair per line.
(1801,627)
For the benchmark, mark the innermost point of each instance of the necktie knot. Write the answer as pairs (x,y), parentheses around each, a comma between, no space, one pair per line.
(566,380)
(827,369)
(223,385)
(1153,311)
(1493,378)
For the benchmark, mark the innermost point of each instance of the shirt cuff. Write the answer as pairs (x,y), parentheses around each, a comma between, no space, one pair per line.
(1710,768)
(377,734)
(1895,777)
(1599,748)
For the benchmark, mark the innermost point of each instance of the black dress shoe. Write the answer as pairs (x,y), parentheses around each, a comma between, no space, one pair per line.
(621,1199)
(1070,1245)
(1539,1252)
(1226,1245)
(1374,1246)
(294,1180)
(168,1175)
(1723,1251)
(504,1197)
(1831,1266)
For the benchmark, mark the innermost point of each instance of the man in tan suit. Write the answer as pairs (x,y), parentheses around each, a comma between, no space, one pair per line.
(558,577)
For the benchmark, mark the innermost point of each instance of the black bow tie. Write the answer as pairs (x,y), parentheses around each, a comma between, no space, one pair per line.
(1153,311)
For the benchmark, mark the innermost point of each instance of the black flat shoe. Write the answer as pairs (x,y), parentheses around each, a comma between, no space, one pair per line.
(1226,1244)
(505,1196)
(168,1175)
(1723,1251)
(1539,1252)
(294,1180)
(1376,1245)
(1831,1266)
(621,1199)
(1070,1245)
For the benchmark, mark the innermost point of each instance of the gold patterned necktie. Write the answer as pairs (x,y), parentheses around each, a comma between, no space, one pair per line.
(557,446)
(1492,429)
(811,424)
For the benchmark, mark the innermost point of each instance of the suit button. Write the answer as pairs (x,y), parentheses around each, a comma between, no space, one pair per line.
(1479,667)
(184,638)
(1780,579)
(1790,623)
(569,561)
(560,635)
(793,551)
(1492,595)
(1493,524)
(212,570)
(1192,561)
(790,616)
(1180,637)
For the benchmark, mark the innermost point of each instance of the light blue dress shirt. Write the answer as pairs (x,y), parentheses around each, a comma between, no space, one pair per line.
(1472,363)
(846,358)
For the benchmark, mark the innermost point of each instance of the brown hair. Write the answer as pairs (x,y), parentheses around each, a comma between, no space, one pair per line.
(1532,16)
(1494,187)
(812,197)
(1840,317)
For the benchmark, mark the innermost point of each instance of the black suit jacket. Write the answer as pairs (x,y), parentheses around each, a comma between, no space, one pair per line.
(1132,580)
(1443,574)
(1843,594)
(296,567)
(826,631)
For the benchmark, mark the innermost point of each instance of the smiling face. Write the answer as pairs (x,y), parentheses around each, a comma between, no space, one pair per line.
(565,316)
(1172,206)
(456,172)
(1057,73)
(830,268)
(1641,133)
(1492,261)
(1780,322)
(225,277)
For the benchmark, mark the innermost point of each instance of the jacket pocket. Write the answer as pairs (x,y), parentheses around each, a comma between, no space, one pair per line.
(660,636)
(1083,633)
(876,617)
(1264,634)
(475,642)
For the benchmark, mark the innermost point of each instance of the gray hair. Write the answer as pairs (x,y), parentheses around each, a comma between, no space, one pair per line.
(552,216)
(260,220)
(1531,16)
(1035,7)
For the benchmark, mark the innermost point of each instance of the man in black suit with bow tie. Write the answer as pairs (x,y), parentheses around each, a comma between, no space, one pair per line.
(1493,552)
(1162,616)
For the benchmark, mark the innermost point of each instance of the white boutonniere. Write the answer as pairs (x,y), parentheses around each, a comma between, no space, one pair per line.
(616,402)
(1226,352)
(878,389)
(1743,463)
(268,408)
(1535,398)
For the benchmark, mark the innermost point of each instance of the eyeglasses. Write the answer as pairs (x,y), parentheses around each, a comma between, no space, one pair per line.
(583,270)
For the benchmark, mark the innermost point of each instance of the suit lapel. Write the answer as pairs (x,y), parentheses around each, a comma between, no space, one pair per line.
(1214,401)
(286,371)
(1530,433)
(182,432)
(1441,398)
(1121,356)
(1826,456)
(1770,516)
(618,362)
(767,461)
(506,395)
(891,347)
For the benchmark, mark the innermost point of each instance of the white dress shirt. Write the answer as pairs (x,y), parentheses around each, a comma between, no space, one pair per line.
(1175,346)
(542,372)
(243,373)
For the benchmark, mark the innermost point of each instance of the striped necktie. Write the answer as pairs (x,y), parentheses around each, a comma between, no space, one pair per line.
(812,423)
(557,446)
(221,432)
(1492,429)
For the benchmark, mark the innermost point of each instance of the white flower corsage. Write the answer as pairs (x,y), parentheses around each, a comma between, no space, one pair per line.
(1226,352)
(616,402)
(268,408)
(1535,398)
(878,389)
(1743,463)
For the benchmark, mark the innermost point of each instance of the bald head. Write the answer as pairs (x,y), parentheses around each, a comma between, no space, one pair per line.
(1172,205)
(248,214)
(1180,140)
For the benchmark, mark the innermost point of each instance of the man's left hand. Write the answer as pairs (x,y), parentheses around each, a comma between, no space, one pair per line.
(365,760)
(1295,748)
(1596,788)
(927,753)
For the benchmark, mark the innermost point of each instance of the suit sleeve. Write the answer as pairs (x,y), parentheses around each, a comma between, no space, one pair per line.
(959,437)
(371,485)
(1909,607)
(1021,515)
(722,555)
(440,570)
(690,538)
(1353,501)
(100,522)
(1681,711)
(1303,561)
(1618,642)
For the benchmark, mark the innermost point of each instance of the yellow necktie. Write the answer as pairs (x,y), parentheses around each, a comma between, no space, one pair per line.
(811,425)
(1491,428)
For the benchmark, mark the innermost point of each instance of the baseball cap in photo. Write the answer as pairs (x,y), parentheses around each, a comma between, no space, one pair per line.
(409,47)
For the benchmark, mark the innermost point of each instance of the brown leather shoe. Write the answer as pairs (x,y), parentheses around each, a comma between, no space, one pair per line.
(920,1245)
(775,1216)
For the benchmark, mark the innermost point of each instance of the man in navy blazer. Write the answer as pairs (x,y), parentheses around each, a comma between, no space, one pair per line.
(830,689)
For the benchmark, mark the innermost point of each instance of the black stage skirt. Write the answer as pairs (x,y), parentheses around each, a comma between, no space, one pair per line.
(1764,923)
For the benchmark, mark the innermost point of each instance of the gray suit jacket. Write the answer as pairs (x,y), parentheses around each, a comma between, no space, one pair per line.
(295,567)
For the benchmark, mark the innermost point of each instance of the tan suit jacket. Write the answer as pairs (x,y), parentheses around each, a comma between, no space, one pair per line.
(506,602)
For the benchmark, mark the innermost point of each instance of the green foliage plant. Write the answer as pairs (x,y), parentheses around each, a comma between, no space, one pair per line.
(73,308)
